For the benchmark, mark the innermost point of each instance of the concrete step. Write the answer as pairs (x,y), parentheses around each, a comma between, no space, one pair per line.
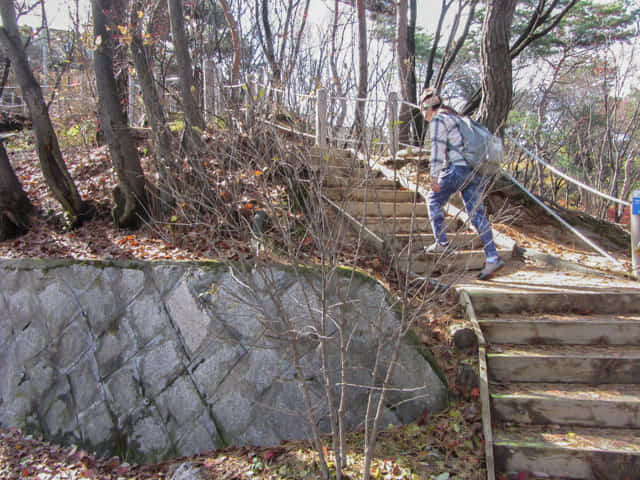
(497,300)
(387,227)
(458,240)
(334,163)
(386,209)
(328,154)
(352,172)
(457,260)
(580,453)
(371,194)
(603,329)
(596,364)
(614,406)
(331,179)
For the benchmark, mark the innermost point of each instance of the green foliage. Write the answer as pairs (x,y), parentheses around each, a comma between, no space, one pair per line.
(176,126)
(588,25)
(424,43)
(20,141)
(220,122)
(594,24)
(77,134)
(256,465)
(384,28)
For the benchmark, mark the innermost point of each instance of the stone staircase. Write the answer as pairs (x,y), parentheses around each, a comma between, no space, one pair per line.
(560,381)
(559,366)
(394,216)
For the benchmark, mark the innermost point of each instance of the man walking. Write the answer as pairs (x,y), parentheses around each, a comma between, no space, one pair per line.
(450,173)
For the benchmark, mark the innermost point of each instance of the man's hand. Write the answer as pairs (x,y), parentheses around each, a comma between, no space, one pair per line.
(435,186)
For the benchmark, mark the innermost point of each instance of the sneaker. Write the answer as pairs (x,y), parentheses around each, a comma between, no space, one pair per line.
(436,247)
(490,269)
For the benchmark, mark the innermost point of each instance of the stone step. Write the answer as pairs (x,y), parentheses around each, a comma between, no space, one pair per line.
(448,262)
(330,153)
(370,194)
(458,241)
(386,209)
(352,172)
(388,227)
(503,300)
(568,452)
(614,406)
(564,363)
(355,183)
(563,329)
(340,161)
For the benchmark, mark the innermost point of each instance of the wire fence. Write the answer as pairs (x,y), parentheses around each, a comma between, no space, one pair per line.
(384,137)
(64,95)
(563,175)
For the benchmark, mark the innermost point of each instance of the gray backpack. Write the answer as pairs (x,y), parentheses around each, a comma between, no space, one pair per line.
(482,150)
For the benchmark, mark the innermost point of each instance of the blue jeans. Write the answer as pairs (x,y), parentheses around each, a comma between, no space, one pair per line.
(461,178)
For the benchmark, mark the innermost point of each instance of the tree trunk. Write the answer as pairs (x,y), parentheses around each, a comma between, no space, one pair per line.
(162,138)
(363,71)
(402,56)
(268,43)
(194,122)
(294,57)
(540,24)
(497,80)
(338,85)
(235,41)
(121,59)
(417,120)
(130,195)
(51,161)
(14,204)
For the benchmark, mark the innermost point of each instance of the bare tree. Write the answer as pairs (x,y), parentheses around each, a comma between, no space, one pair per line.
(142,56)
(585,124)
(194,121)
(51,161)
(544,18)
(455,40)
(363,69)
(235,41)
(14,203)
(340,86)
(288,207)
(410,117)
(130,196)
(288,35)
(497,75)
(404,68)
(417,120)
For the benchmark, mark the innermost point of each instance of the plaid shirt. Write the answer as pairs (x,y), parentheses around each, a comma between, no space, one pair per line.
(446,142)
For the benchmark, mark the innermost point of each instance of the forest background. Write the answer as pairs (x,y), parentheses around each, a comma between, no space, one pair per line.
(564,71)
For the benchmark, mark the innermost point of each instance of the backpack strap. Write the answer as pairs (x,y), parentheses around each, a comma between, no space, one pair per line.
(457,147)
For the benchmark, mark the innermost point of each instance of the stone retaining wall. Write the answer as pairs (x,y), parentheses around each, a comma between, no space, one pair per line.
(149,360)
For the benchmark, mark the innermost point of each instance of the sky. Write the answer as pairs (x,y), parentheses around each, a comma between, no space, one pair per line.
(58,12)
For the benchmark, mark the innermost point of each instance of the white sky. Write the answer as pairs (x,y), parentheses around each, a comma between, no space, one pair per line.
(59,12)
